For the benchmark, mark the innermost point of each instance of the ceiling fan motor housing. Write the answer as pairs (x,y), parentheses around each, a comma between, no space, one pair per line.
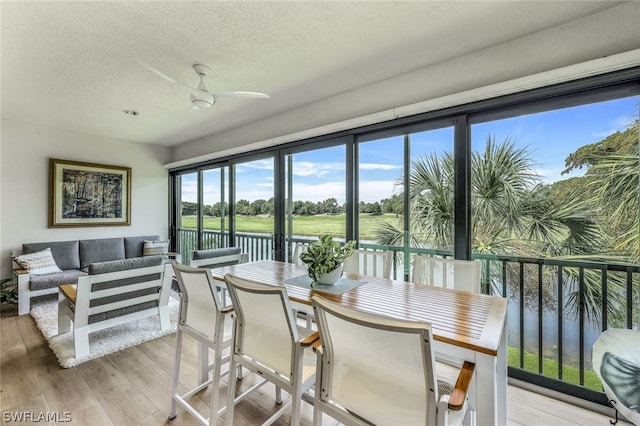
(201,102)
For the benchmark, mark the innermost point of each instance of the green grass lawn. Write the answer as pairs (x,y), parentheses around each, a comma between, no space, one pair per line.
(570,374)
(302,225)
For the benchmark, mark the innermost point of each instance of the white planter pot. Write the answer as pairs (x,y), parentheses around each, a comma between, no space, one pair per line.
(331,277)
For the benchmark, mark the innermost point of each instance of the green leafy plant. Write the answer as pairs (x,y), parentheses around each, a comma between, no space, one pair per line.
(8,291)
(325,255)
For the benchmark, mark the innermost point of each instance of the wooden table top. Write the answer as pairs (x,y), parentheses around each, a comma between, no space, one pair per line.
(472,321)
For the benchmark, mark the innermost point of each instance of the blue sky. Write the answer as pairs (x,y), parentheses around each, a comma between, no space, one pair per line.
(550,137)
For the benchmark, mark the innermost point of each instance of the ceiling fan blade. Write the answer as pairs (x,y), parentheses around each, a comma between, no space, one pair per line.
(241,94)
(166,77)
(155,71)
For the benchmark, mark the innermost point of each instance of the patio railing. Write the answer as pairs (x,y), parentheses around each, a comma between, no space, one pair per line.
(557,307)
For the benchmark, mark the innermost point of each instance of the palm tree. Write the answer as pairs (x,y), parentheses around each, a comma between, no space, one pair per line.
(512,212)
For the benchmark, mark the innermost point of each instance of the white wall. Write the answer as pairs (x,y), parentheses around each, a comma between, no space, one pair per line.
(24,185)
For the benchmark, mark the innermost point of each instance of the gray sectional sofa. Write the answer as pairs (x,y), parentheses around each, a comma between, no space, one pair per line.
(73,258)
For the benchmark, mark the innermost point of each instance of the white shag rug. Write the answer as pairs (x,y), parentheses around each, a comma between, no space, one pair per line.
(102,342)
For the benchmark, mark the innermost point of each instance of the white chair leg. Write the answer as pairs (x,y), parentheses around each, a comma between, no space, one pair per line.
(278,395)
(176,375)
(203,363)
(215,388)
(232,390)
(240,373)
(165,323)
(317,415)
(81,341)
(295,407)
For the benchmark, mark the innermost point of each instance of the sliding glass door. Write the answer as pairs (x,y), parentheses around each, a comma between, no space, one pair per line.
(315,195)
(215,208)
(186,185)
(252,212)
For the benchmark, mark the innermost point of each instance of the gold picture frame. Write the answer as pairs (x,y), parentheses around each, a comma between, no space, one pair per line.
(88,194)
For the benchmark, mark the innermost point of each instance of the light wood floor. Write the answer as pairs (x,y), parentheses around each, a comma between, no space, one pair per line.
(131,387)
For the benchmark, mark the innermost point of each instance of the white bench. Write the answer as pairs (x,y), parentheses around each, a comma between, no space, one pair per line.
(105,300)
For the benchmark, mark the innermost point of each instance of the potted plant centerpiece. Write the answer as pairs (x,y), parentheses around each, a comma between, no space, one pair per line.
(325,258)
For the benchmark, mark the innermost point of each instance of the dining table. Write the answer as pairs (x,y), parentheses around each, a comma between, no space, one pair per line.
(466,326)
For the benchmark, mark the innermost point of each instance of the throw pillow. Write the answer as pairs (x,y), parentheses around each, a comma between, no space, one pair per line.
(155,248)
(38,263)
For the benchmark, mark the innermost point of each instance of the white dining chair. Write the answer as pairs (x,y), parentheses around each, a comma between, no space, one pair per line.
(202,317)
(448,273)
(268,342)
(375,263)
(380,370)
(298,249)
(217,258)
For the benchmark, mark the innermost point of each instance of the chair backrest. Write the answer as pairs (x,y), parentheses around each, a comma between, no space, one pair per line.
(200,301)
(381,369)
(374,263)
(215,258)
(265,328)
(298,249)
(448,273)
(111,291)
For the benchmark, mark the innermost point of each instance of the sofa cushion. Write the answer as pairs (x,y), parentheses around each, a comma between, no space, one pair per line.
(41,282)
(217,252)
(66,253)
(124,264)
(133,245)
(38,263)
(101,250)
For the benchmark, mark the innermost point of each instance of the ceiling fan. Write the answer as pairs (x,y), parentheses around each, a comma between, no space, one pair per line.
(200,96)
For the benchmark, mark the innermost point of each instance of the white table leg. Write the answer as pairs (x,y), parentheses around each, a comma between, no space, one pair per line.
(491,379)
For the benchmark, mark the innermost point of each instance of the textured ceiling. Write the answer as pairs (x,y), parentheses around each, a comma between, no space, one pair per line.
(72,65)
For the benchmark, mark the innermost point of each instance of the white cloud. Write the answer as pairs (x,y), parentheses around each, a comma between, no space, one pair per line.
(189,191)
(552,175)
(266,164)
(308,168)
(619,124)
(372,191)
(377,166)
(252,194)
(319,192)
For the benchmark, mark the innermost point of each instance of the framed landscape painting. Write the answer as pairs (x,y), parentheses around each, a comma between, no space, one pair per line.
(88,194)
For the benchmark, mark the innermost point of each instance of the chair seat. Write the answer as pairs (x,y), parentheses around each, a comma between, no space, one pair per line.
(309,360)
(447,373)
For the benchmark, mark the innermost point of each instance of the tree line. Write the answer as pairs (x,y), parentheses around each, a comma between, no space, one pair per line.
(330,206)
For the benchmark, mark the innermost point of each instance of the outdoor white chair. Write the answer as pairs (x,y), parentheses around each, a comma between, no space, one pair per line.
(267,341)
(448,273)
(616,361)
(203,317)
(380,370)
(375,263)
(298,249)
(217,258)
